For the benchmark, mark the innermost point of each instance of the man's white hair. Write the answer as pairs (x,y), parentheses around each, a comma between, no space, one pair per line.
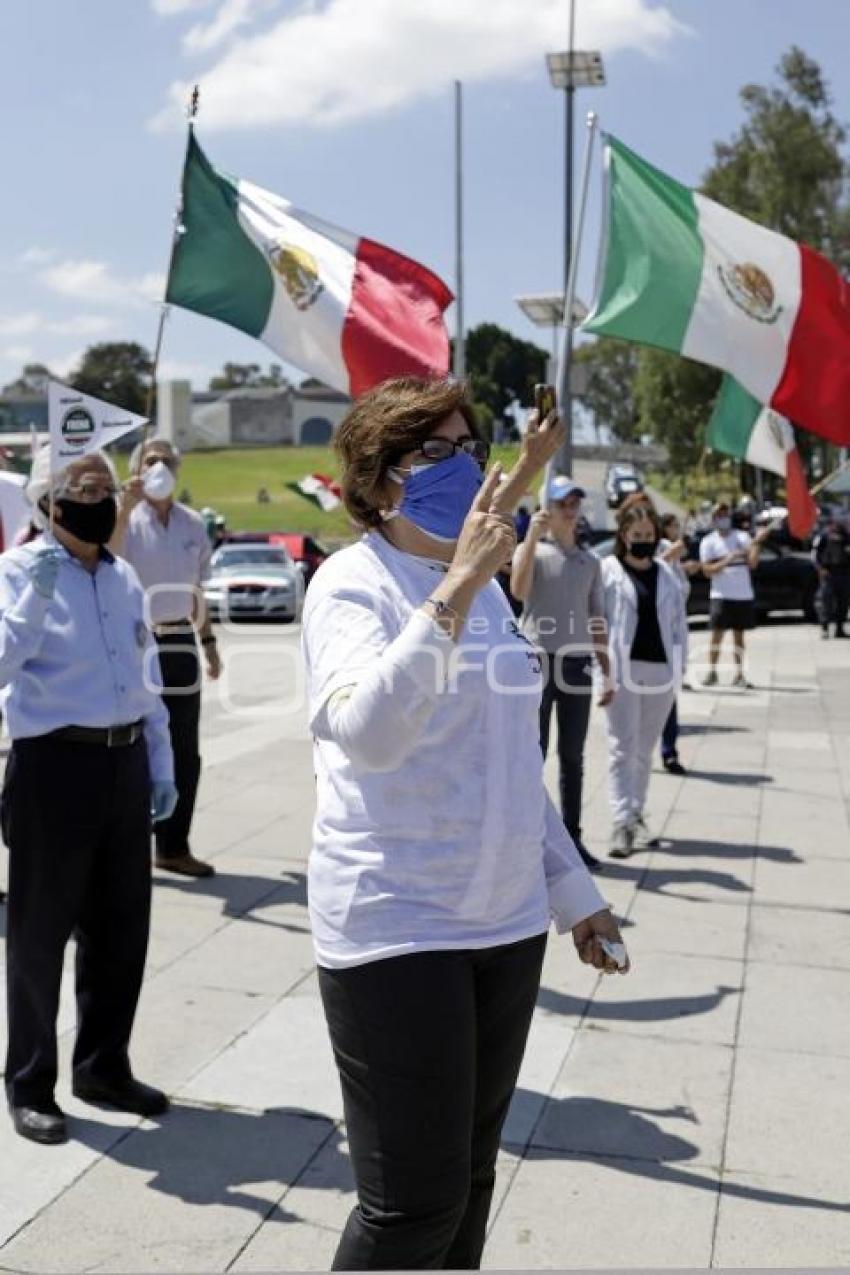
(43,479)
(138,452)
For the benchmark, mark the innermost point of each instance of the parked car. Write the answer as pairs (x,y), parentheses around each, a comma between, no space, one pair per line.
(621,480)
(254,581)
(306,551)
(784,580)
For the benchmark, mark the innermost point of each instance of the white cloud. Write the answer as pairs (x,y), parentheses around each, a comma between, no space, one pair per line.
(18,353)
(19,324)
(352,58)
(233,14)
(93,281)
(35,257)
(169,8)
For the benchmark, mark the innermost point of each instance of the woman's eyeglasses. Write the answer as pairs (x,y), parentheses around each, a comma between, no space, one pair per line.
(436,449)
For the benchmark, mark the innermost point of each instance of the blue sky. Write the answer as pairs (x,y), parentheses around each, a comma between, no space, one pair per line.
(343,106)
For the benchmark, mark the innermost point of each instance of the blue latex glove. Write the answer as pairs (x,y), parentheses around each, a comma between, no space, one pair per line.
(43,570)
(163,799)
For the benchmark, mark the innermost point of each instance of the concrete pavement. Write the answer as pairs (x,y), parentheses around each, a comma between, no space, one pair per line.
(693,1114)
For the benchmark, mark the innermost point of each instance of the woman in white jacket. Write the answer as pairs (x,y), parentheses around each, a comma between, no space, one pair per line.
(647,636)
(438,859)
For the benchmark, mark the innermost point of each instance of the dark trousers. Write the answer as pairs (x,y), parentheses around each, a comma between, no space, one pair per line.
(181,677)
(568,687)
(76,819)
(836,599)
(428,1048)
(670,734)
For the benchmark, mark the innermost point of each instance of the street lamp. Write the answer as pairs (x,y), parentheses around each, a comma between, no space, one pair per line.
(546,310)
(569,71)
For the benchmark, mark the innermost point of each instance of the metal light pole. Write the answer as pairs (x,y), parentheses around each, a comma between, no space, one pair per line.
(569,71)
(459,368)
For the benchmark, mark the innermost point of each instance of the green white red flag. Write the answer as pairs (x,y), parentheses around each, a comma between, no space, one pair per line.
(740,426)
(320,490)
(684,273)
(341,307)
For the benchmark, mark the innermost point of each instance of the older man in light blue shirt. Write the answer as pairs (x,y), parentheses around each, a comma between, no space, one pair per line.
(90,765)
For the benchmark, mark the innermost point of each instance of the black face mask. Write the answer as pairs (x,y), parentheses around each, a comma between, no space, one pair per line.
(643,549)
(93,524)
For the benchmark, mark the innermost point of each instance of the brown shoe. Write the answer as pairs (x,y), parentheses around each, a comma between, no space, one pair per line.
(185,865)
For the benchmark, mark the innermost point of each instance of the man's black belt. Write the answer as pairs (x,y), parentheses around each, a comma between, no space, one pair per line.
(111,736)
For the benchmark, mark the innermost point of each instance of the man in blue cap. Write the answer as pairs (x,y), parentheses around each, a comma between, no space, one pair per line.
(560,585)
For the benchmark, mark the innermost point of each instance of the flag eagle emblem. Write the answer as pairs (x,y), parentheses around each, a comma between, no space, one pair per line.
(750,289)
(299,271)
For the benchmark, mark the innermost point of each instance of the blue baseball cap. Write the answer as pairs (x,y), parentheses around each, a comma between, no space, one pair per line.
(561,488)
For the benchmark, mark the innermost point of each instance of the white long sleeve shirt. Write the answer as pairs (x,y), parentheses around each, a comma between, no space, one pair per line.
(433,828)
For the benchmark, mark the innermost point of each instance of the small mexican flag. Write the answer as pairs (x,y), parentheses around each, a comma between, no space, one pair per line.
(340,307)
(684,273)
(320,490)
(741,427)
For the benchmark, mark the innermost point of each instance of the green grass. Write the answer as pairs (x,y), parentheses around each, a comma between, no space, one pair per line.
(229,480)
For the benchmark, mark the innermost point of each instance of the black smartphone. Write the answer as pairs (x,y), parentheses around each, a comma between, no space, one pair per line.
(544,400)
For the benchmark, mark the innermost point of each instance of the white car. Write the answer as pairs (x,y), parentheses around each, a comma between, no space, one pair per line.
(255,581)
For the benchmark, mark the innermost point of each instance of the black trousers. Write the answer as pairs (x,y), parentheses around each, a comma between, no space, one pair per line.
(181,677)
(568,688)
(428,1048)
(670,734)
(837,598)
(76,819)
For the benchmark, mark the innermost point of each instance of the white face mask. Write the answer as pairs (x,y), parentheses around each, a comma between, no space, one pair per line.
(159,481)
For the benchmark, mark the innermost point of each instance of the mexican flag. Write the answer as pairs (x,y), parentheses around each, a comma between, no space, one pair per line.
(340,307)
(319,490)
(740,426)
(684,273)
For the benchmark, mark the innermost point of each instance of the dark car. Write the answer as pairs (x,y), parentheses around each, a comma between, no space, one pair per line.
(784,580)
(308,553)
(622,479)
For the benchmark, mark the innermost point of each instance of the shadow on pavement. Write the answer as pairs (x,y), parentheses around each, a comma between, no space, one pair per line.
(642,1149)
(727,850)
(738,778)
(710,728)
(242,894)
(660,1010)
(208,1156)
(660,880)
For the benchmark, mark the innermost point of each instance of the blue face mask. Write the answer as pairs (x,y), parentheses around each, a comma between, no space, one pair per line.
(438,497)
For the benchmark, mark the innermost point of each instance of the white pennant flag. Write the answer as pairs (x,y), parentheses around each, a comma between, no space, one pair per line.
(79,423)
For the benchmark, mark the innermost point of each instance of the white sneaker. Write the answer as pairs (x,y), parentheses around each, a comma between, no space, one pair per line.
(622,842)
(642,838)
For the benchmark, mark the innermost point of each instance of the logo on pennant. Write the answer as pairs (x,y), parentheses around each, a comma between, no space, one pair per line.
(299,272)
(751,290)
(780,429)
(78,427)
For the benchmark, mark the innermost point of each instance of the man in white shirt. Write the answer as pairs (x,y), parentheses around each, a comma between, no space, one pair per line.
(168,545)
(728,557)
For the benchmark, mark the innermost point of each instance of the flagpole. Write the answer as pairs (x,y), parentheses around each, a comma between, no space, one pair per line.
(191,113)
(566,343)
(460,334)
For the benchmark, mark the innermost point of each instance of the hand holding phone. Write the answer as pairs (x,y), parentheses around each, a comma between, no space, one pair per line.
(545,401)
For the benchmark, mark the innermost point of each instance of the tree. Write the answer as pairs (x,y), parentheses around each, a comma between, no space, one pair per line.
(611,366)
(673,398)
(32,380)
(248,376)
(117,371)
(502,368)
(784,168)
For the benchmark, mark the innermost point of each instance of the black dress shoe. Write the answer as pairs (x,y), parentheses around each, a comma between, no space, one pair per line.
(673,766)
(40,1124)
(125,1095)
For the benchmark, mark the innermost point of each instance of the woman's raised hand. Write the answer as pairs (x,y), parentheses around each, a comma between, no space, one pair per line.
(488,536)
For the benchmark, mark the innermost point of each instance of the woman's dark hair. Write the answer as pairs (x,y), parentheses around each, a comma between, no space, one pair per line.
(628,517)
(382,426)
(667,520)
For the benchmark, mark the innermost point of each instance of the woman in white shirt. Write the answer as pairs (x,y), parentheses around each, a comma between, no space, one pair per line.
(438,858)
(647,638)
